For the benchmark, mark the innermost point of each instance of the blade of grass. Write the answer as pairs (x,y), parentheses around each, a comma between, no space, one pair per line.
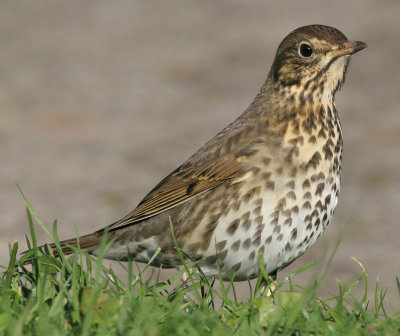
(32,231)
(34,214)
(11,264)
(293,274)
(178,250)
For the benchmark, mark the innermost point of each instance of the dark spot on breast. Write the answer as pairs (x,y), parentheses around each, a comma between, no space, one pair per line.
(295,209)
(257,241)
(246,243)
(266,176)
(291,195)
(281,204)
(291,153)
(291,184)
(322,134)
(306,184)
(252,256)
(251,193)
(288,221)
(315,213)
(222,255)
(236,195)
(214,217)
(257,211)
(194,247)
(329,143)
(236,205)
(293,234)
(270,185)
(319,189)
(245,216)
(322,113)
(220,246)
(258,202)
(207,234)
(246,225)
(316,224)
(235,246)
(266,160)
(233,227)
(300,138)
(274,221)
(307,125)
(314,161)
(211,260)
(236,267)
(328,152)
(338,148)
(255,170)
(328,199)
(275,214)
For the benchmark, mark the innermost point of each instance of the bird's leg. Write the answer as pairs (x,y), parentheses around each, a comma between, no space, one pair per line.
(268,286)
(184,278)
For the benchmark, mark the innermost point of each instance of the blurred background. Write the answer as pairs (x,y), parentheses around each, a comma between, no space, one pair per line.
(99,100)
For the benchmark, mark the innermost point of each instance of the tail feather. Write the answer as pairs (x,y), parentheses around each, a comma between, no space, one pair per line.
(88,243)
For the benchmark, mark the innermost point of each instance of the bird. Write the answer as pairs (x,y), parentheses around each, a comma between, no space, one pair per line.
(266,185)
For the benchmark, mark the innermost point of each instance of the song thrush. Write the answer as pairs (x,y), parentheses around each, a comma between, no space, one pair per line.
(268,182)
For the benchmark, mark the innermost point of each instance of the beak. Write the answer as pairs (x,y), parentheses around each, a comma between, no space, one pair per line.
(347,48)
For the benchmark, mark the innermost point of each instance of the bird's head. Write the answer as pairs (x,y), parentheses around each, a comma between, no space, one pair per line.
(312,61)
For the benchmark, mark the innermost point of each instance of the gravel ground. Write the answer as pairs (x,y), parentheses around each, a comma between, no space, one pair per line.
(100,100)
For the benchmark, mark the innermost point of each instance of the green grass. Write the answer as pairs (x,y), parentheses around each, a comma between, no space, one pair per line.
(77,295)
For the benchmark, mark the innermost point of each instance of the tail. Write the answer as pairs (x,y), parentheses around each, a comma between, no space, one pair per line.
(88,243)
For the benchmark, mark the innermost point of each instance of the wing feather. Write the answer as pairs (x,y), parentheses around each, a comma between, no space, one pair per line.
(180,186)
(221,160)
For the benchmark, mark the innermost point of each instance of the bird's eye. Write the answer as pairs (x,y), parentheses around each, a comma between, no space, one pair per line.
(305,50)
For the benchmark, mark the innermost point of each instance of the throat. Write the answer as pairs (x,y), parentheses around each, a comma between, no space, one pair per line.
(303,98)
